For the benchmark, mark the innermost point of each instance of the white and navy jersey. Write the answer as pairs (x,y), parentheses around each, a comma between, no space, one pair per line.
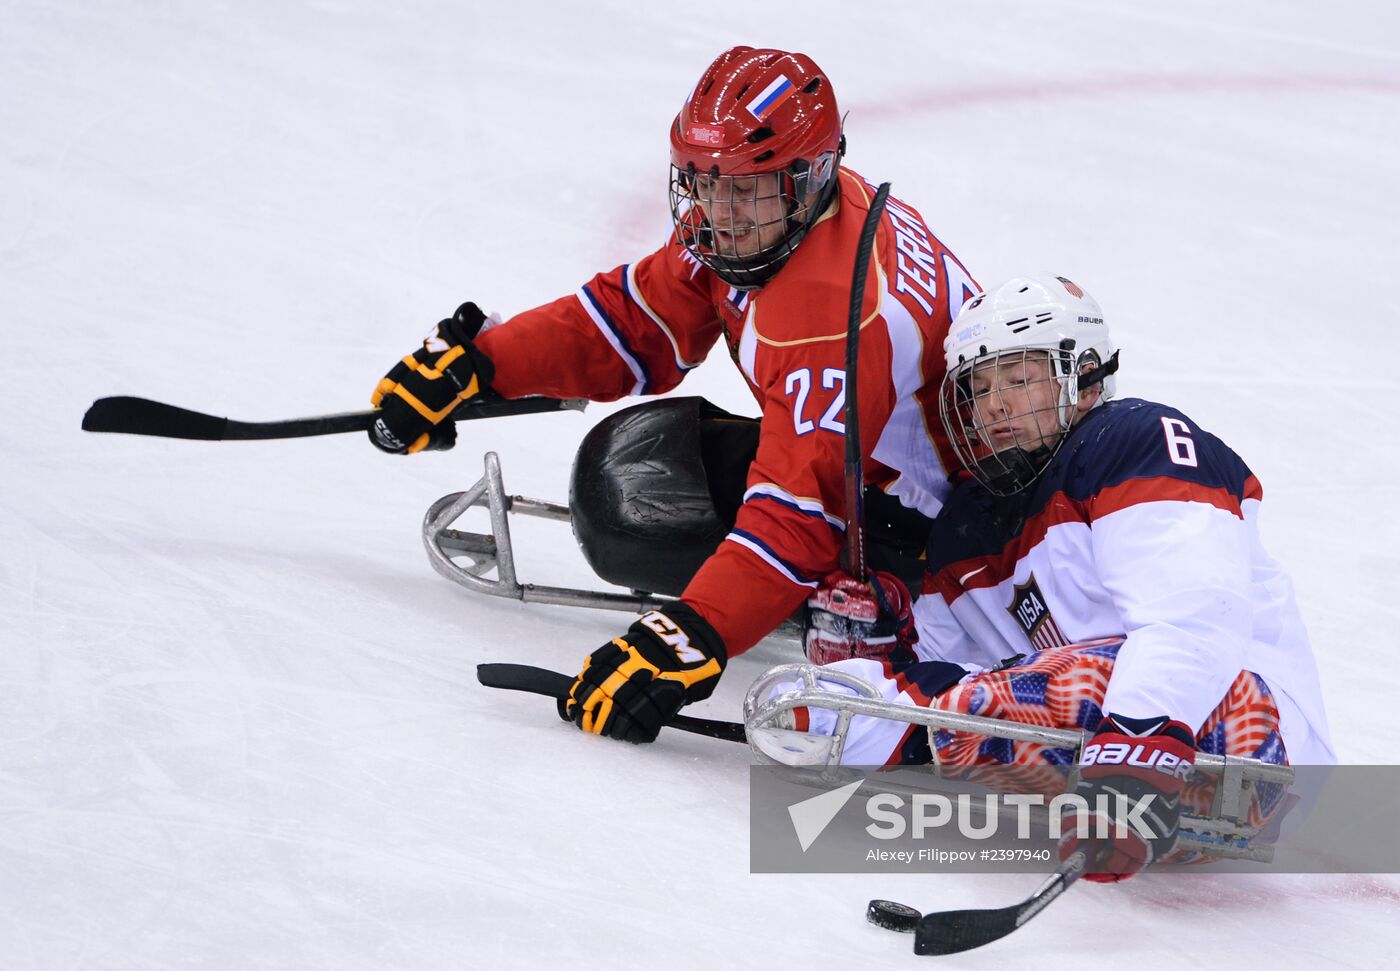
(1142,525)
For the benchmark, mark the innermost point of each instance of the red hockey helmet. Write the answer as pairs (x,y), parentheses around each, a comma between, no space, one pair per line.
(754,152)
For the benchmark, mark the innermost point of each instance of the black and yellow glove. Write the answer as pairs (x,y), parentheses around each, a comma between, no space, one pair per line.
(631,687)
(419,393)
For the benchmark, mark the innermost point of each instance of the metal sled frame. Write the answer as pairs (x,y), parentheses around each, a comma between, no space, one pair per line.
(493,551)
(1221,834)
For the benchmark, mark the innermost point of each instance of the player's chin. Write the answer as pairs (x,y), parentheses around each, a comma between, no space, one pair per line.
(1028,440)
(736,245)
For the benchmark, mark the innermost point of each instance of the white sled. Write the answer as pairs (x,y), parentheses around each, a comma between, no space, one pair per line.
(1223,833)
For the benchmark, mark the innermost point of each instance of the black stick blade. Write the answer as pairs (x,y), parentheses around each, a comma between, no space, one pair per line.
(524,677)
(951,931)
(140,416)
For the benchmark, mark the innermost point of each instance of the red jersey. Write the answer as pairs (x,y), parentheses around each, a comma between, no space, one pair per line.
(639,328)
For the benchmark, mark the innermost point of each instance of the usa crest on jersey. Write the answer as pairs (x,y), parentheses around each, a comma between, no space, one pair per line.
(1032,613)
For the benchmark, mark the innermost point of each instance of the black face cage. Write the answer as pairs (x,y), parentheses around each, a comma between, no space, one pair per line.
(744,227)
(1007,412)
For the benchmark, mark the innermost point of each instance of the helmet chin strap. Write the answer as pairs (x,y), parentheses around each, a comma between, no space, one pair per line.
(1075,385)
(1013,469)
(1099,373)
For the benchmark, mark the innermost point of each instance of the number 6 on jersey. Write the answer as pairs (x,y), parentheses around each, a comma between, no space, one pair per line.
(1180,445)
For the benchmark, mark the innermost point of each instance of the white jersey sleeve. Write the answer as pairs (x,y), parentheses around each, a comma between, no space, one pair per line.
(1178,574)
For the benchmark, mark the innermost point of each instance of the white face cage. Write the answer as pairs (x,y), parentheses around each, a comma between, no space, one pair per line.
(1007,412)
(744,227)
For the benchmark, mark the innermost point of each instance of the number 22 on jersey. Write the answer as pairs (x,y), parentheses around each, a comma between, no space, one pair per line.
(799,384)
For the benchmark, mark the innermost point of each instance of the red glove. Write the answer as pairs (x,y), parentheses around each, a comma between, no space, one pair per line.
(1131,775)
(846,619)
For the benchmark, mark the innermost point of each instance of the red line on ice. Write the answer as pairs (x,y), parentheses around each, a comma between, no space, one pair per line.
(641,216)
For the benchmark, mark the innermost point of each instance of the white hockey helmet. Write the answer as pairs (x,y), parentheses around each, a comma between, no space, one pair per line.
(1046,318)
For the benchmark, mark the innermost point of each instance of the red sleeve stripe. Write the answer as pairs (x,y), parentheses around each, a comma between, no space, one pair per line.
(609,330)
(808,507)
(1166,489)
(765,553)
(905,685)
(953,579)
(987,571)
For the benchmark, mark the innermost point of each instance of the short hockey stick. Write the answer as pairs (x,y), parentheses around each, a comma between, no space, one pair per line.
(951,931)
(552,684)
(141,416)
(855,478)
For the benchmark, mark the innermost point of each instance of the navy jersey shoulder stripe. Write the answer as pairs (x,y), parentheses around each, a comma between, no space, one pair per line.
(1118,447)
(1135,439)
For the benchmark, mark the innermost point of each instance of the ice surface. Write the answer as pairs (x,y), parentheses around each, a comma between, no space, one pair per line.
(238,721)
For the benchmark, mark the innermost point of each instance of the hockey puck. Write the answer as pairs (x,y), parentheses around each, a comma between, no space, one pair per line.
(892,916)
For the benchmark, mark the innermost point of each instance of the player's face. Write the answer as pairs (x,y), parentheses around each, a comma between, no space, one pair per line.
(746,213)
(1015,402)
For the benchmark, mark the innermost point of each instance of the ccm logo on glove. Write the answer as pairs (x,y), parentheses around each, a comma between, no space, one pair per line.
(633,685)
(665,628)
